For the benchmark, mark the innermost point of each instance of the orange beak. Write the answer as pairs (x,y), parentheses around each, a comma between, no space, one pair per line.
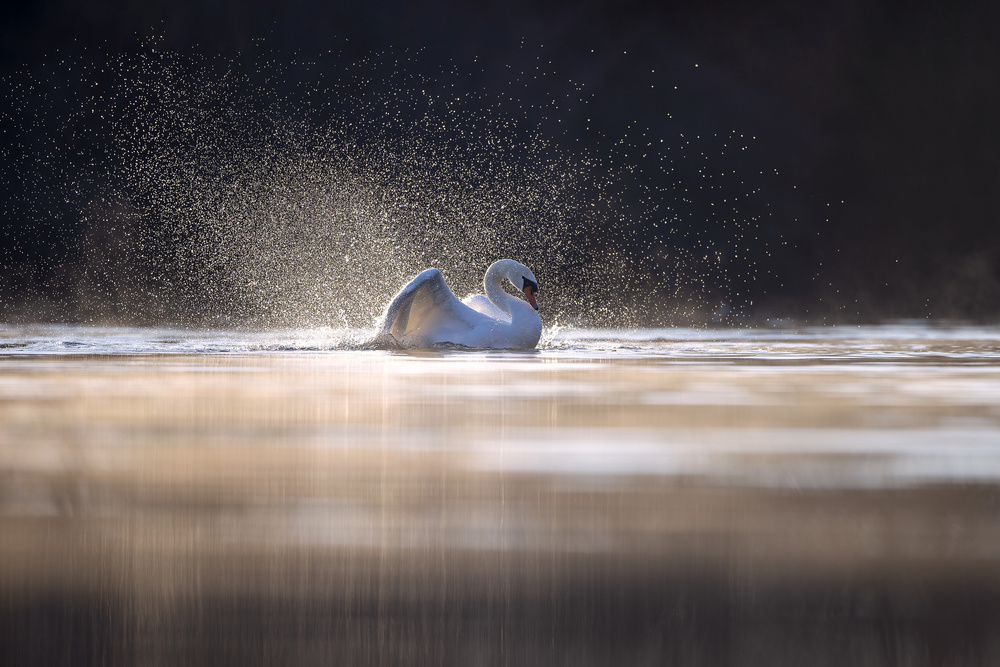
(529,293)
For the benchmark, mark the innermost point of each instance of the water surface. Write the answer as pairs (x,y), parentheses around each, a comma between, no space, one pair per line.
(613,497)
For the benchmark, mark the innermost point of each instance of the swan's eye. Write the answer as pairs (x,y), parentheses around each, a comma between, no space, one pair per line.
(529,284)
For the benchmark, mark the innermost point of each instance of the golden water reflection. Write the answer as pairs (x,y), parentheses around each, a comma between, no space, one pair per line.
(455,509)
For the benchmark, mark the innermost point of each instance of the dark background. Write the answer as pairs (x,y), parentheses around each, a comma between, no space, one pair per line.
(875,126)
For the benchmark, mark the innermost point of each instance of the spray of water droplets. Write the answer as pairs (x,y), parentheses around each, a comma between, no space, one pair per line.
(270,191)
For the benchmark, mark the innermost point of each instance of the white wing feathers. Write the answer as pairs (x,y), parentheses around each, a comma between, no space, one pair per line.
(424,311)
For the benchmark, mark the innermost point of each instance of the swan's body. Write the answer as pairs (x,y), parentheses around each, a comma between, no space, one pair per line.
(426,313)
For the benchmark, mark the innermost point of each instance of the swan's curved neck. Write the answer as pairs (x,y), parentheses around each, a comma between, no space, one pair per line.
(493,284)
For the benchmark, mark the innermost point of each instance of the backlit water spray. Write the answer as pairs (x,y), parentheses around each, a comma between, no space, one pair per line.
(271,192)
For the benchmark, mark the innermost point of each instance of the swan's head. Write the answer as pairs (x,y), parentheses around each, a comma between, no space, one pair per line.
(523,279)
(530,289)
(517,273)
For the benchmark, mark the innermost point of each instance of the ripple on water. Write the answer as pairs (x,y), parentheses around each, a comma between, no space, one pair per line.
(902,343)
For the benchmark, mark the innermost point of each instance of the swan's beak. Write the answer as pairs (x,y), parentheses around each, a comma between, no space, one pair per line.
(529,293)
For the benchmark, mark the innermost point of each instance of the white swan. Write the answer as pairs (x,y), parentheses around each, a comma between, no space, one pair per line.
(426,313)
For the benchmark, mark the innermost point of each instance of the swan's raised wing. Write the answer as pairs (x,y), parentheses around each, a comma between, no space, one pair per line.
(426,312)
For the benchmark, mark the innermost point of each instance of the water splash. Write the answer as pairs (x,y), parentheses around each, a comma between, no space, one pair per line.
(269,191)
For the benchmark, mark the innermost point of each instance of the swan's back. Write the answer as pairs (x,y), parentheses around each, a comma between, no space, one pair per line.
(481,304)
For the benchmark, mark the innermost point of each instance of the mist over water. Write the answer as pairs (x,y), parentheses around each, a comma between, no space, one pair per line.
(267,191)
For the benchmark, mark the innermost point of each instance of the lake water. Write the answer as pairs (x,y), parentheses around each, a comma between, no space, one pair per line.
(671,496)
